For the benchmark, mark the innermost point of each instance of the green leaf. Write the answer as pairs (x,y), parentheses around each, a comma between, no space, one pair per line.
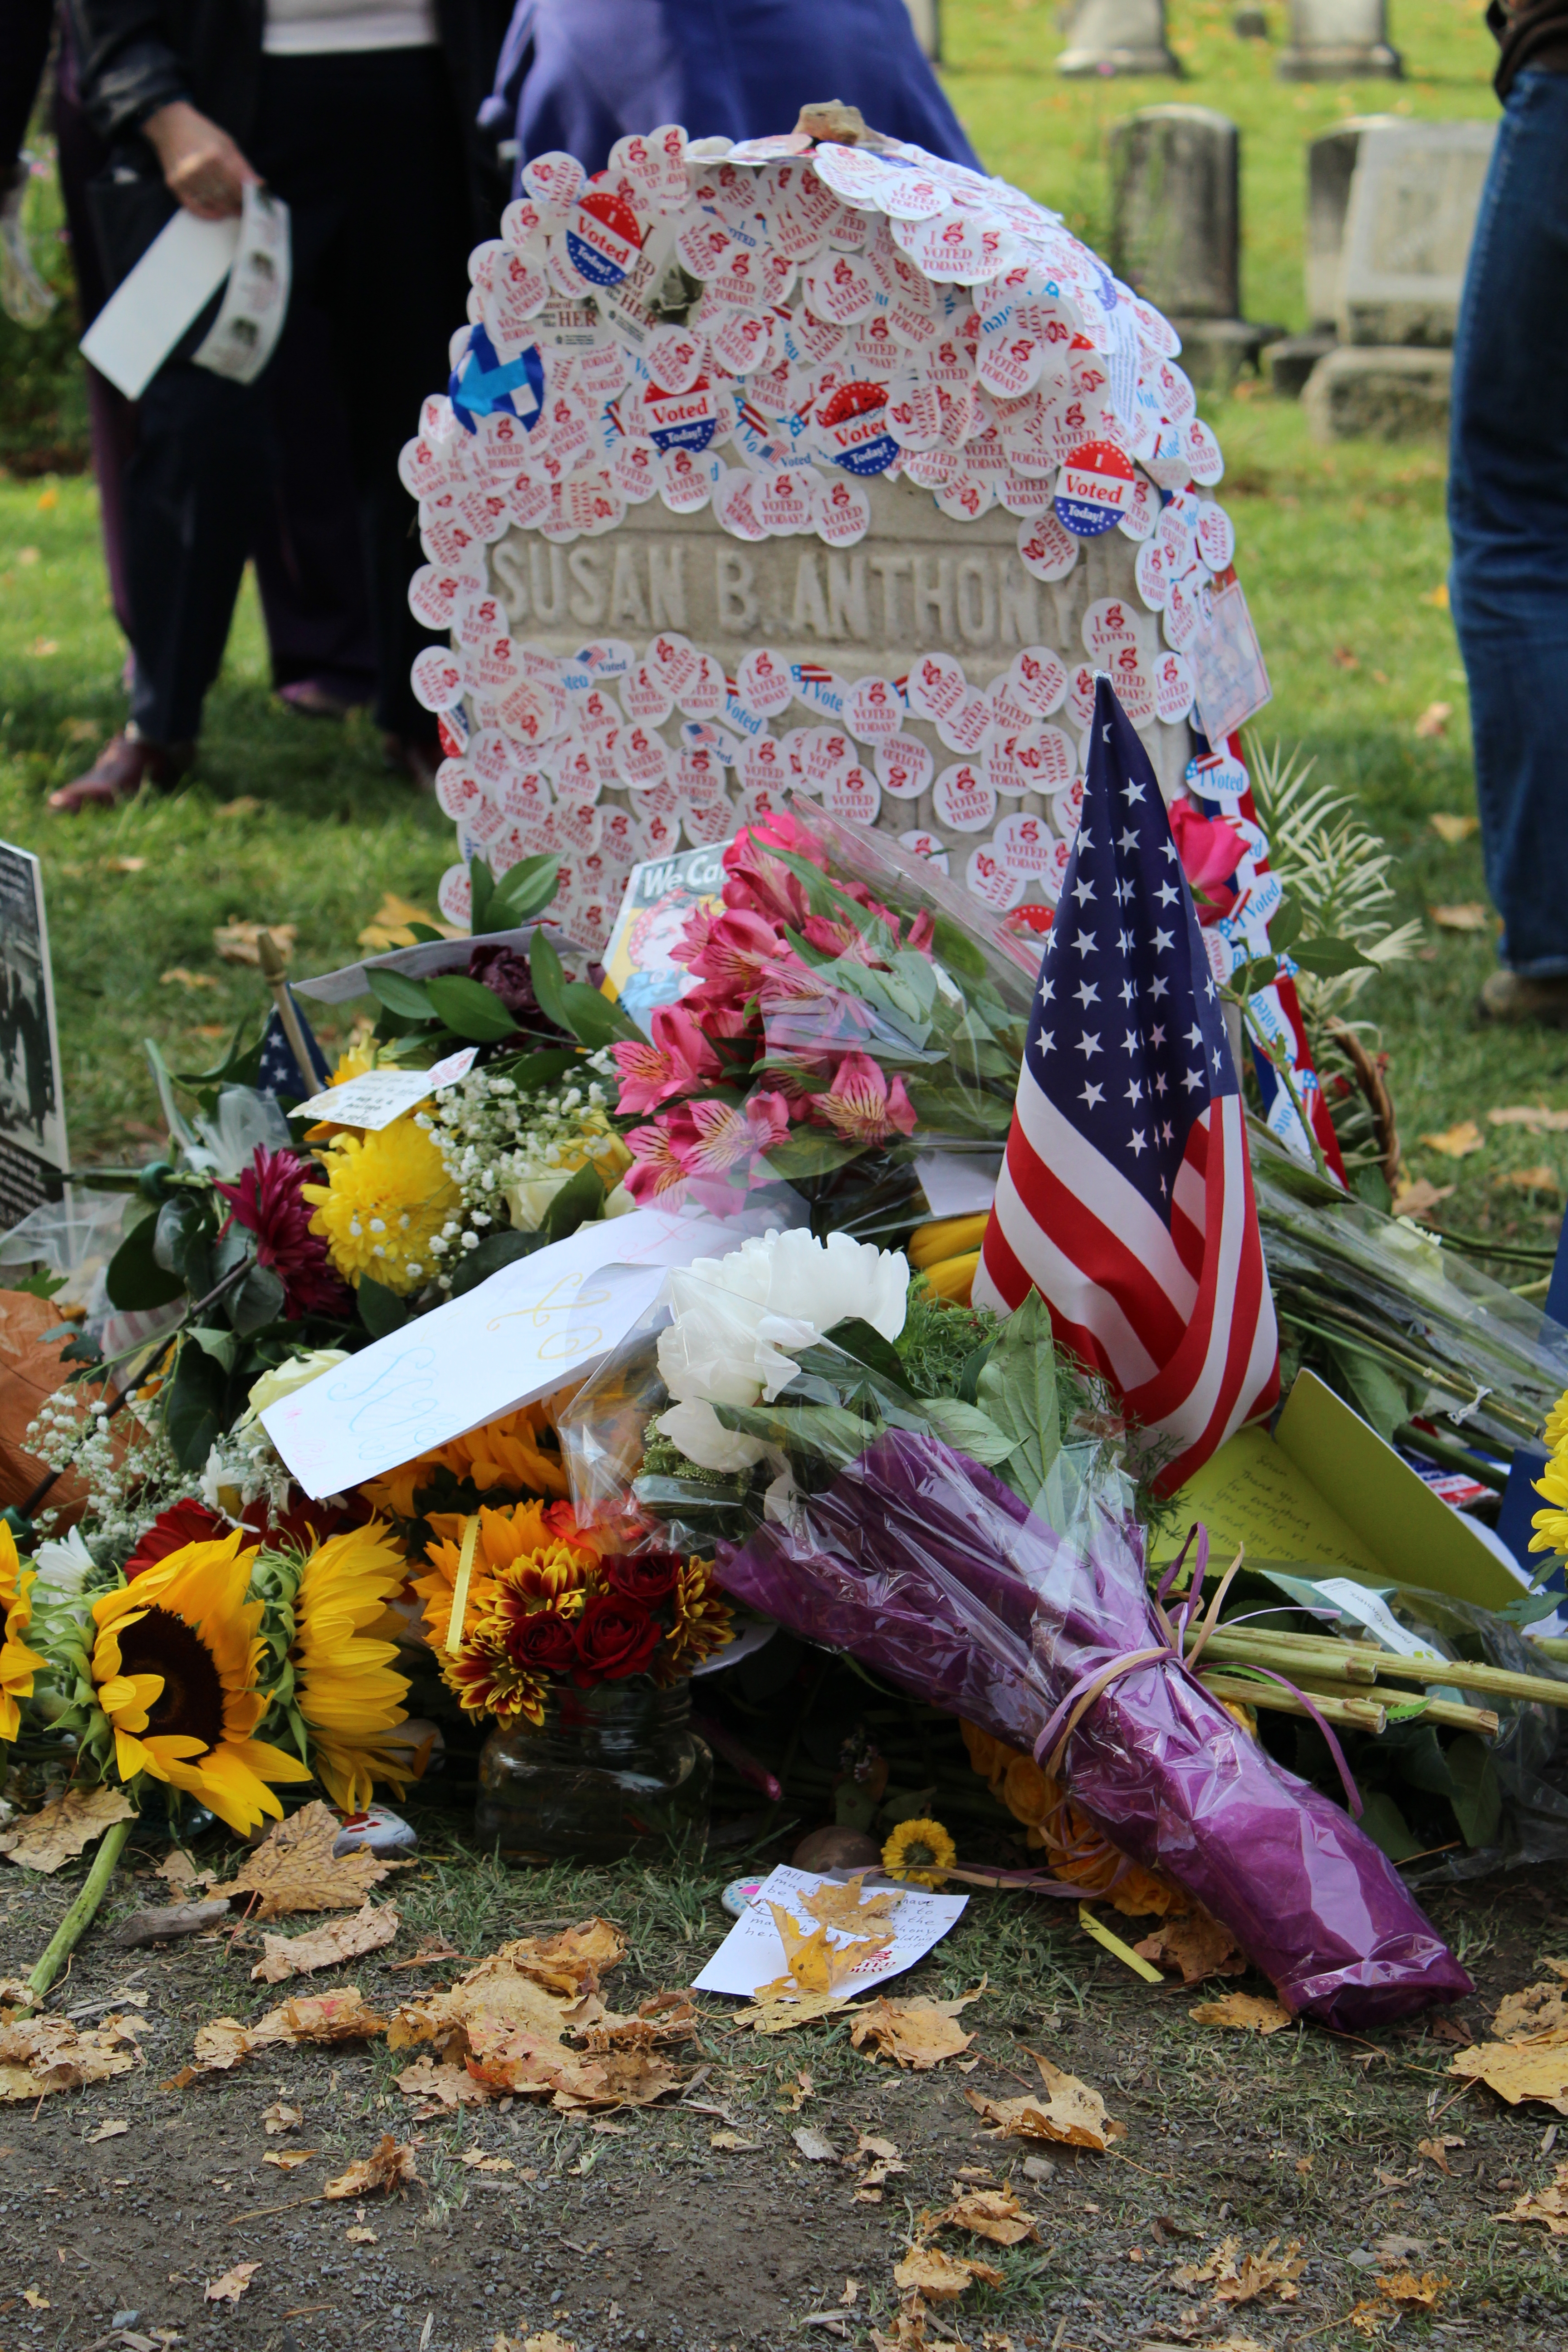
(809,1152)
(222,1347)
(1477,1796)
(469,1008)
(954,1110)
(1378,1396)
(970,1431)
(957,951)
(594,1020)
(580,1200)
(136,1281)
(494,1252)
(1017,1388)
(866,1344)
(380,1310)
(549,975)
(1328,957)
(829,1430)
(257,1301)
(1386,1826)
(524,891)
(482,890)
(407,998)
(1286,928)
(197,1414)
(42,1284)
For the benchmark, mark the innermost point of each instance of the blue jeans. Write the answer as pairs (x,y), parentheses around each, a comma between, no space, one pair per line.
(1507,516)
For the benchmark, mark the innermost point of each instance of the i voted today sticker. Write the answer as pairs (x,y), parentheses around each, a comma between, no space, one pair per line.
(1094,489)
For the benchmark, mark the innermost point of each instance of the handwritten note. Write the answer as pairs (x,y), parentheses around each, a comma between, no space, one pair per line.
(516,1338)
(751,1954)
(376,1097)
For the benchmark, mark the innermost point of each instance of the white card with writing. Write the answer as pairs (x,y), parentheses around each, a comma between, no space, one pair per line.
(376,1097)
(752,1953)
(512,1340)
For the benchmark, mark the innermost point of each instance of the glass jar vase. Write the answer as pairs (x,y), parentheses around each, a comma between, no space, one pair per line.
(613,1769)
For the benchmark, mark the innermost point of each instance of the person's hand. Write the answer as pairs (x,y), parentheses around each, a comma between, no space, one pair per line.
(202,165)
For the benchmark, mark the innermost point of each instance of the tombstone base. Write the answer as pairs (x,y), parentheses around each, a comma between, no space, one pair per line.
(1153,59)
(1384,395)
(1215,351)
(1346,61)
(1291,361)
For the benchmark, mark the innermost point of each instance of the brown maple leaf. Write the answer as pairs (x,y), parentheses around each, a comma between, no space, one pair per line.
(58,1831)
(295,1869)
(390,2165)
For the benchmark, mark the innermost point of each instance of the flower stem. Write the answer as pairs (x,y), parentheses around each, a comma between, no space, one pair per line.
(80,1918)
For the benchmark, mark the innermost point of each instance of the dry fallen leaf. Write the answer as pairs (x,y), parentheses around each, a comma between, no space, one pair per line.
(1538,2009)
(732,2143)
(1418,1199)
(814,2146)
(1453,829)
(112,2130)
(1416,2294)
(237,942)
(232,2285)
(1244,2281)
(281,2118)
(1070,2112)
(783,2003)
(390,2165)
(35,2301)
(1436,2151)
(1537,1179)
(847,1906)
(123,865)
(478,2161)
(294,1868)
(177,1866)
(178,976)
(1535,2069)
(927,2270)
(1246,2012)
(1434,719)
(816,1964)
(1197,1946)
(1537,1118)
(361,2237)
(288,2159)
(1456,1142)
(1548,2206)
(994,2213)
(58,1831)
(797,2092)
(1471,915)
(885,2163)
(42,2054)
(340,2016)
(917,2033)
(389,926)
(443,2088)
(373,1925)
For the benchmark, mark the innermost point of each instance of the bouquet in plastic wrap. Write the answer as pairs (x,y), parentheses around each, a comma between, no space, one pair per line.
(891,1479)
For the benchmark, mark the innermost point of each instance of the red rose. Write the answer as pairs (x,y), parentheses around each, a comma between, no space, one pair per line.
(614,1638)
(646,1576)
(544,1642)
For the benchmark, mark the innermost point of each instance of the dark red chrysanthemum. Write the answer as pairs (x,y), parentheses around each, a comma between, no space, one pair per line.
(268,1201)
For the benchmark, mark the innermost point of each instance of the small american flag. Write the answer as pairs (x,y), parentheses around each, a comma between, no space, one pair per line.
(1126,1196)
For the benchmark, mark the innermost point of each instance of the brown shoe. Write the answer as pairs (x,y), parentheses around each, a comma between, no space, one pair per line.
(126,762)
(417,761)
(1510,996)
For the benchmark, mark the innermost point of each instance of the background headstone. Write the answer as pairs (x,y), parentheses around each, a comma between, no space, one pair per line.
(1117,37)
(1414,198)
(1386,394)
(1175,232)
(926,18)
(1335,41)
(34,1153)
(1330,166)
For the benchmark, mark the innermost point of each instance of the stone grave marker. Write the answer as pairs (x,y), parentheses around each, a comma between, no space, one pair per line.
(1414,198)
(1117,36)
(1176,198)
(1339,40)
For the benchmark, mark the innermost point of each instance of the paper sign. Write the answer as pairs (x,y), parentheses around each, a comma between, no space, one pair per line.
(1325,1491)
(752,1953)
(958,1184)
(148,312)
(376,1097)
(33,1154)
(519,1336)
(640,970)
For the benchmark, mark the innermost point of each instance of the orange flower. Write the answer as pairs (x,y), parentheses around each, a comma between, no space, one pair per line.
(1076,1851)
(702,1623)
(518,1532)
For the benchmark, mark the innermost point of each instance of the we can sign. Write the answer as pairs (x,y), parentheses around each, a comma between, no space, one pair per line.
(1094,489)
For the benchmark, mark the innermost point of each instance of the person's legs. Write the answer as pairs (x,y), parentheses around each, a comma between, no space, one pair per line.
(1508,515)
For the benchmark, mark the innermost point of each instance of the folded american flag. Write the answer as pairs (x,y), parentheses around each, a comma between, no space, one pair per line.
(1126,1195)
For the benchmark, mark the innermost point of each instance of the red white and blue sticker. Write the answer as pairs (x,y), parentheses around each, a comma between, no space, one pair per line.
(851,429)
(680,420)
(482,384)
(603,238)
(1094,489)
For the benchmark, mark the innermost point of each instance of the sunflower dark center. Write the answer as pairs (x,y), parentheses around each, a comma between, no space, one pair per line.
(190,1706)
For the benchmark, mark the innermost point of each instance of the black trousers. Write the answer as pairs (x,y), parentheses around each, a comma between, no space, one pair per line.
(365,150)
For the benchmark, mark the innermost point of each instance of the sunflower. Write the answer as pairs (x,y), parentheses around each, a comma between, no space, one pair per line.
(921,1852)
(522,1532)
(508,1453)
(174,1668)
(19,1664)
(702,1623)
(1552,1525)
(489,1681)
(344,1682)
(387,1193)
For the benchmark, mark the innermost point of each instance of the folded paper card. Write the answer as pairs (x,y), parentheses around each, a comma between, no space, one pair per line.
(527,1331)
(752,1953)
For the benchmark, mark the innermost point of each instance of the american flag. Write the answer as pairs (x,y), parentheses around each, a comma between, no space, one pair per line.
(1126,1196)
(279,1074)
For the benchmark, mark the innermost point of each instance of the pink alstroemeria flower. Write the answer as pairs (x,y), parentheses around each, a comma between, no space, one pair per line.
(757,884)
(862,1106)
(728,1135)
(677,1058)
(741,947)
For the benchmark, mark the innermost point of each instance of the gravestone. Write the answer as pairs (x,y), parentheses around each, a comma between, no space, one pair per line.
(1331,167)
(925,15)
(1415,194)
(1117,36)
(1359,392)
(1339,40)
(1175,211)
(34,1153)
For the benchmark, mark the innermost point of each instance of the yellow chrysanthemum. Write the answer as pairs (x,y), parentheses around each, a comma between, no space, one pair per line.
(386,1196)
(1557,1423)
(1552,1525)
(919,1850)
(702,1623)
(19,1664)
(174,1668)
(344,1685)
(524,1532)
